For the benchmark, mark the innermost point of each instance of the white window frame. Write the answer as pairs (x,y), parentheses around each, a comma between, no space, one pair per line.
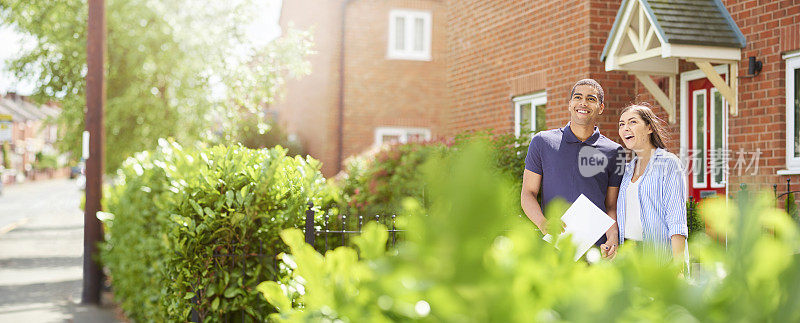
(792,63)
(409,53)
(403,133)
(534,100)
(697,184)
(713,158)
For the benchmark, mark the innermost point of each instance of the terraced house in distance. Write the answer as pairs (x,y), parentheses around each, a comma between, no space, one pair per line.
(724,74)
(379,76)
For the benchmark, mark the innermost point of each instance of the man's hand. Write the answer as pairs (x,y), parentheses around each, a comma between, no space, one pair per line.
(542,227)
(545,224)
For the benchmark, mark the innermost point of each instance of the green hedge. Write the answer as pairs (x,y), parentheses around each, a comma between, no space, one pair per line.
(45,161)
(468,258)
(175,214)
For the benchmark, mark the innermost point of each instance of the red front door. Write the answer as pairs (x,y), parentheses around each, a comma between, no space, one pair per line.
(708,155)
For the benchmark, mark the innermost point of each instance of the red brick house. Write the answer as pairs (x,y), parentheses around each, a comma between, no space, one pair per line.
(386,83)
(508,65)
(30,134)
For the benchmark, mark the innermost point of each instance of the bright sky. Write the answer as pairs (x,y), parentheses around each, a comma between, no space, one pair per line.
(264,29)
(17,42)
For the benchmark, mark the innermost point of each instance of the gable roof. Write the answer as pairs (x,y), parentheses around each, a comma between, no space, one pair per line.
(687,22)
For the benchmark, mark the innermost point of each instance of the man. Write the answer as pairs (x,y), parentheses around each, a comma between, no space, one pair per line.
(575,160)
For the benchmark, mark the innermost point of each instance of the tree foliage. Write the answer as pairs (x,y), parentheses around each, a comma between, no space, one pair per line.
(180,69)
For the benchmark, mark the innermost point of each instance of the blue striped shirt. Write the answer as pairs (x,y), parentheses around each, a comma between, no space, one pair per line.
(662,198)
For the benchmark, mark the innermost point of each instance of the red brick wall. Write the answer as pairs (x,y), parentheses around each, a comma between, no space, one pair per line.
(308,105)
(771,28)
(381,92)
(502,49)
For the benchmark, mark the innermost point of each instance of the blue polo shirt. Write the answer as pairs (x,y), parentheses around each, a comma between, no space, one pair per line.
(570,167)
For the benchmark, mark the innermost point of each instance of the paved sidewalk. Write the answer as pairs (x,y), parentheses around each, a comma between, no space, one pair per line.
(41,255)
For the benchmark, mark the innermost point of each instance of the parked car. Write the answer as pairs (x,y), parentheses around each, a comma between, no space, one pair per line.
(76,170)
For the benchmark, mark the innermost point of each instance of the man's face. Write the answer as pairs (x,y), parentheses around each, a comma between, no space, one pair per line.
(585,106)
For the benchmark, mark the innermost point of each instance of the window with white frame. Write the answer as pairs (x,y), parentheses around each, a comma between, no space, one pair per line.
(530,113)
(793,111)
(700,138)
(409,35)
(718,146)
(393,135)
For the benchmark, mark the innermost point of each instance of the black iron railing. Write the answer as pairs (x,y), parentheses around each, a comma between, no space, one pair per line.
(790,203)
(335,231)
(332,232)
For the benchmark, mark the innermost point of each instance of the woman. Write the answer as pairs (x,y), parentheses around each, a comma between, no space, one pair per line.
(651,206)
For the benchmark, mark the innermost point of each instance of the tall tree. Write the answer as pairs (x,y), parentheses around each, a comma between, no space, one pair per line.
(182,68)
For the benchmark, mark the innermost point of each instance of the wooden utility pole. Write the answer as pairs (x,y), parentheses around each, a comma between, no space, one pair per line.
(95,101)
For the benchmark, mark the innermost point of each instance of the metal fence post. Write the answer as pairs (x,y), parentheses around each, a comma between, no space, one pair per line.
(310,224)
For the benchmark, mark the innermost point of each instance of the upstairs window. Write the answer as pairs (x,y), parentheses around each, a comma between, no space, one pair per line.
(409,35)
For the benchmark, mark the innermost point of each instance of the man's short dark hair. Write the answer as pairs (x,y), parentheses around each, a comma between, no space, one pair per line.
(592,83)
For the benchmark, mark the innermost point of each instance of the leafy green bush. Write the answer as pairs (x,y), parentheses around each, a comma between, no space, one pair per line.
(693,220)
(468,257)
(505,149)
(136,244)
(199,229)
(377,182)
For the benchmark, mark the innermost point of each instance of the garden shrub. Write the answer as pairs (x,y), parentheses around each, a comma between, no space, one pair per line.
(136,244)
(694,222)
(376,182)
(188,229)
(468,258)
(506,150)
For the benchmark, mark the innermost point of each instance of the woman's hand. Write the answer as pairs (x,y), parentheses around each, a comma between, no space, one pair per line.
(678,247)
(609,249)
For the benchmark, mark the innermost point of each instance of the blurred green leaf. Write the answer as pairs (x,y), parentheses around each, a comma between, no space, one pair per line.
(372,241)
(273,293)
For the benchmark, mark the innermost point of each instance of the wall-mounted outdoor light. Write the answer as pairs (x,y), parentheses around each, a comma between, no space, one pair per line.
(753,67)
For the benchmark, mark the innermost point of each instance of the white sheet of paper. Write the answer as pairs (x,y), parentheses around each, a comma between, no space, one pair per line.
(586,222)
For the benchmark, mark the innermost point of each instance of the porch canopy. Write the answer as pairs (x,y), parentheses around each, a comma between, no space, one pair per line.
(649,37)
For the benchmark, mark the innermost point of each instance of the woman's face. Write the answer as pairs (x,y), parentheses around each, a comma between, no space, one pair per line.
(635,133)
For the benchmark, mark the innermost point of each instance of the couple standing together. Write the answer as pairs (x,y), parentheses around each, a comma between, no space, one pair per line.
(646,197)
